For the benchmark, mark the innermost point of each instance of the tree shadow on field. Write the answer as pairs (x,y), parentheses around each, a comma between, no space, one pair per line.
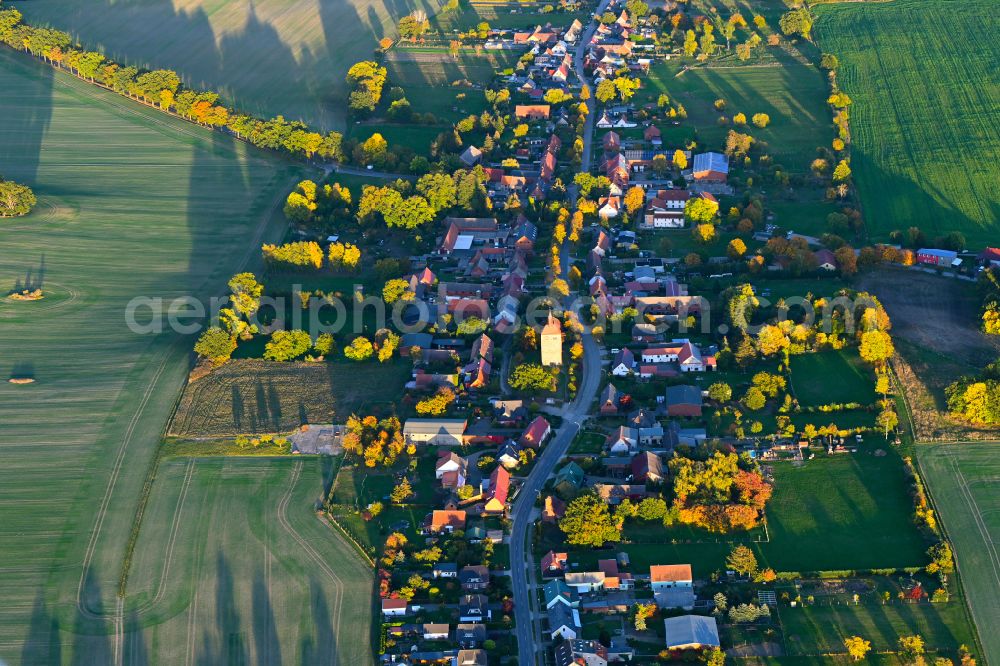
(43,645)
(229,646)
(26,111)
(238,408)
(91,643)
(274,406)
(135,651)
(266,643)
(322,644)
(896,202)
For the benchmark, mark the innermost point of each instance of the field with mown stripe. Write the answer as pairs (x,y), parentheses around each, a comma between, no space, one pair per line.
(924,76)
(132,203)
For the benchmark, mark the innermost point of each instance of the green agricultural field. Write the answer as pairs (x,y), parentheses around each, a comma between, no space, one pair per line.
(793,94)
(236,568)
(133,203)
(832,377)
(268,56)
(255,396)
(962,479)
(923,76)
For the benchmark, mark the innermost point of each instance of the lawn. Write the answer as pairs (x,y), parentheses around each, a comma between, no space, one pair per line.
(830,377)
(823,628)
(132,203)
(256,396)
(268,56)
(962,480)
(792,93)
(926,147)
(236,568)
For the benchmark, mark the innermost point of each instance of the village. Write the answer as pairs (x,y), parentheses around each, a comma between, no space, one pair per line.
(643,252)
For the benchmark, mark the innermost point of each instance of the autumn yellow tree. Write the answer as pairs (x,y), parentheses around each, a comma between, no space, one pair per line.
(635,197)
(857,647)
(704,233)
(680,160)
(876,347)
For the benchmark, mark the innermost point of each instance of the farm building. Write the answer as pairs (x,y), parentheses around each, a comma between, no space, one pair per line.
(933,257)
(691,632)
(440,432)
(710,167)
(683,400)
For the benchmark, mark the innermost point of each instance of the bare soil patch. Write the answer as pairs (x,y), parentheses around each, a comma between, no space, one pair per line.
(935,322)
(251,396)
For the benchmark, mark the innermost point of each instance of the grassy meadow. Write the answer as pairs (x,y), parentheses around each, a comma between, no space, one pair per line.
(925,80)
(793,94)
(269,57)
(962,479)
(861,520)
(134,203)
(832,377)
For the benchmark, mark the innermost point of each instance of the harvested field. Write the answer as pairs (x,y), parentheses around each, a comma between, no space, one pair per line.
(255,396)
(935,324)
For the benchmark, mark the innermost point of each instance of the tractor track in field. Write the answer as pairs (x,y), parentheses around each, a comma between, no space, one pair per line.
(321,563)
(171,542)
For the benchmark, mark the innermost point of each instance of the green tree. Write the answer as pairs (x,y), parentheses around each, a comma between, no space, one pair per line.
(699,210)
(323,344)
(245,293)
(690,43)
(912,648)
(401,492)
(720,392)
(606,91)
(842,172)
(215,344)
(439,190)
(715,657)
(287,345)
(587,522)
(15,199)
(531,377)
(395,290)
(796,22)
(754,399)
